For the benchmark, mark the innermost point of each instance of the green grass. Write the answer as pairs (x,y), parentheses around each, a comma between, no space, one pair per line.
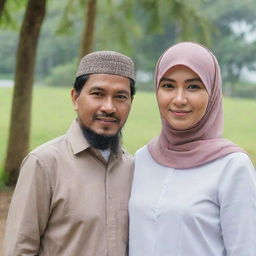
(53,112)
(240,124)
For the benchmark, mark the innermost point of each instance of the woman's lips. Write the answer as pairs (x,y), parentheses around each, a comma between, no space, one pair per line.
(180,113)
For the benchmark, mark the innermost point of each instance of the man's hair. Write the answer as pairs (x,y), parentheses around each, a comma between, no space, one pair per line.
(81,81)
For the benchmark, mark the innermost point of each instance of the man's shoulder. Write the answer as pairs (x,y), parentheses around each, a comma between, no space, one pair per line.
(126,159)
(127,155)
(47,156)
(51,147)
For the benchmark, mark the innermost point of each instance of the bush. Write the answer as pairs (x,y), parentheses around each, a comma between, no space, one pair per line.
(62,75)
(245,90)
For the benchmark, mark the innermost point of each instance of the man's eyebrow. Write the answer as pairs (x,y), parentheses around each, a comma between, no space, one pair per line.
(96,88)
(124,91)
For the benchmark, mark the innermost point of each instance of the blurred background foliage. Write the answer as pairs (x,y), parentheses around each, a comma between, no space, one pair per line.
(143,30)
(45,45)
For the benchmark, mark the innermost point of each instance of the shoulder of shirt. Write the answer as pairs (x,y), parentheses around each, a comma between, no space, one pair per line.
(126,154)
(236,157)
(141,151)
(50,147)
(237,162)
(237,168)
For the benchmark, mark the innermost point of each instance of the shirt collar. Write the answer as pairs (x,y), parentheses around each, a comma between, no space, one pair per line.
(76,138)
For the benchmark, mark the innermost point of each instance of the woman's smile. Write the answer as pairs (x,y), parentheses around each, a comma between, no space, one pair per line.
(180,113)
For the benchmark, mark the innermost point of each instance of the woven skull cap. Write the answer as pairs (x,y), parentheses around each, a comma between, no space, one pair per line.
(106,62)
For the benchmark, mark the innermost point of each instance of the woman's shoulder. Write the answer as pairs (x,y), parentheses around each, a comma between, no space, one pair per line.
(238,175)
(237,164)
(237,158)
(142,152)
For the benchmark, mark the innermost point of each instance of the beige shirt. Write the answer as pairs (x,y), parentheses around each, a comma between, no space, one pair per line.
(69,201)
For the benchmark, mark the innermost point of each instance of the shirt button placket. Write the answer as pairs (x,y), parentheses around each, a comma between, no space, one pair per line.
(110,216)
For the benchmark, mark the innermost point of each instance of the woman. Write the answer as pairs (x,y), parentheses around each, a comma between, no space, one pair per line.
(194,192)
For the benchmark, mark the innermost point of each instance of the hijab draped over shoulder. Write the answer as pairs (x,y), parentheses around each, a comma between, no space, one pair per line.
(203,142)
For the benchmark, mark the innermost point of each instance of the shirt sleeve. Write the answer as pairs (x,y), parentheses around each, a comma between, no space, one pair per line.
(237,198)
(29,209)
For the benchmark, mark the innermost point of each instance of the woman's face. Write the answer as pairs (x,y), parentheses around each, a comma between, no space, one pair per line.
(182,97)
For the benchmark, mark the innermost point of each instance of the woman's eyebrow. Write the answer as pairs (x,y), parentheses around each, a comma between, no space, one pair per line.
(194,80)
(187,80)
(166,79)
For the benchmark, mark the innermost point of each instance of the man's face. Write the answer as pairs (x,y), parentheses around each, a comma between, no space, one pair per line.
(104,103)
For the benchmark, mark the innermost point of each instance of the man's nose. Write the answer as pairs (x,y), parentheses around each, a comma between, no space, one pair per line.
(108,105)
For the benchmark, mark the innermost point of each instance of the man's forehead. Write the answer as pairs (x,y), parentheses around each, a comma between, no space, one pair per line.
(113,89)
(106,75)
(108,82)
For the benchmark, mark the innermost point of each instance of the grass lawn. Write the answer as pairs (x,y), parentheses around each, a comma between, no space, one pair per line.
(52,114)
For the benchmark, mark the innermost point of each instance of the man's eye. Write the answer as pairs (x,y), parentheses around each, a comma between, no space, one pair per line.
(96,93)
(121,97)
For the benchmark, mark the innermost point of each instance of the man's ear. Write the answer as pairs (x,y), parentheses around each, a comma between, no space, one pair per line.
(74,97)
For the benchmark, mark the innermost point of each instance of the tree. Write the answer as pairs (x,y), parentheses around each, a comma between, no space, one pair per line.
(18,143)
(113,15)
(126,21)
(89,16)
(89,27)
(164,23)
(2,4)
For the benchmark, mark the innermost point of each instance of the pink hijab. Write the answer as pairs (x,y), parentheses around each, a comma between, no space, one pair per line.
(203,142)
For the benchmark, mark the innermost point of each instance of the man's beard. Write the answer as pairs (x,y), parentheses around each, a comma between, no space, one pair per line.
(100,141)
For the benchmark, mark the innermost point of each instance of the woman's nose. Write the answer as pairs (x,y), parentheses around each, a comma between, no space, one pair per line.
(180,97)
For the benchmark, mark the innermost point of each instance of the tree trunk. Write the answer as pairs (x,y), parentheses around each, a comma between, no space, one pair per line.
(89,24)
(2,4)
(18,143)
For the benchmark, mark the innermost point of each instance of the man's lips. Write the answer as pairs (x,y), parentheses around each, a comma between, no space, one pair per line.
(106,120)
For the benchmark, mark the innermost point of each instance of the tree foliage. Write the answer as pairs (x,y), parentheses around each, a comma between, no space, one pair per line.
(8,10)
(142,29)
(232,40)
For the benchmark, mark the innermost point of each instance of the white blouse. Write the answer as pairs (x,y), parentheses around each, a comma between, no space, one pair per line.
(208,210)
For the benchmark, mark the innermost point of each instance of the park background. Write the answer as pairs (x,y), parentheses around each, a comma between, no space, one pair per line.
(41,42)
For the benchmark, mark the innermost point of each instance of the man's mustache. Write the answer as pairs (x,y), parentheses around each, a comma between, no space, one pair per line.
(103,115)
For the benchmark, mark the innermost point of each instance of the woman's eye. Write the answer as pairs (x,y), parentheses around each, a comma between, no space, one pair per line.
(168,86)
(194,87)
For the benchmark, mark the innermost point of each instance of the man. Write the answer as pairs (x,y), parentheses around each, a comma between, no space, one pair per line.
(71,198)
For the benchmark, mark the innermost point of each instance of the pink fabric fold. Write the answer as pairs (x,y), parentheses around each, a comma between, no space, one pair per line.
(203,142)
